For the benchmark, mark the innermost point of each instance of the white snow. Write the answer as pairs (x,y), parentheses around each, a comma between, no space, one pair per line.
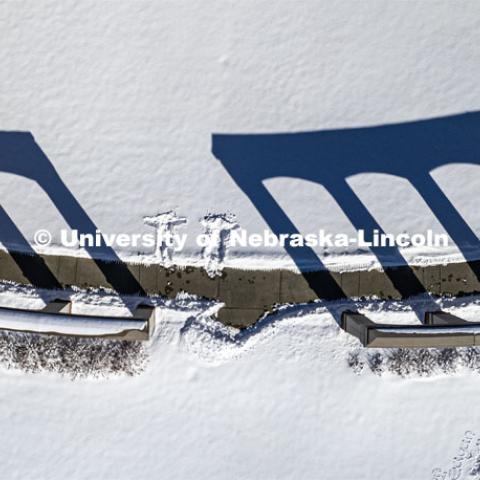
(217,233)
(273,402)
(123,100)
(433,330)
(34,321)
(165,225)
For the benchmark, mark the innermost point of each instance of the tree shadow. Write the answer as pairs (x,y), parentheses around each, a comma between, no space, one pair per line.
(410,150)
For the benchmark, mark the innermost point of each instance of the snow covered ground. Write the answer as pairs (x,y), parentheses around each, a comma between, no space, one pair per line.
(277,401)
(124,100)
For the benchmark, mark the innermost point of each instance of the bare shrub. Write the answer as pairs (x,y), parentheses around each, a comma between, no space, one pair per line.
(425,361)
(470,358)
(376,363)
(447,359)
(401,361)
(355,363)
(71,356)
(415,361)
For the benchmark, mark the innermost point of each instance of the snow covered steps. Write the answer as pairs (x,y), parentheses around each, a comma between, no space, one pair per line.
(439,330)
(56,319)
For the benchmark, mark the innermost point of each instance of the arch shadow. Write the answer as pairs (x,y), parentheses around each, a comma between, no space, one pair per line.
(410,150)
(21,155)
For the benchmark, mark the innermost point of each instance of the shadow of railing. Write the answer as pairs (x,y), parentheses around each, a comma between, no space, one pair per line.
(410,150)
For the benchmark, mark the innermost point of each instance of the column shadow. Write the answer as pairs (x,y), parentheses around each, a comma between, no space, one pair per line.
(410,150)
(21,155)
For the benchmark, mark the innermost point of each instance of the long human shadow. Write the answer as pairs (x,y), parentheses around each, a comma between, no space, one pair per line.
(410,150)
(21,155)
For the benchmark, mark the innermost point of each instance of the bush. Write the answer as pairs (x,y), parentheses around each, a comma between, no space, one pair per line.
(71,356)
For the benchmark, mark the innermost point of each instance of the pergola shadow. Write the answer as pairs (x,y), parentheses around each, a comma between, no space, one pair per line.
(21,155)
(410,150)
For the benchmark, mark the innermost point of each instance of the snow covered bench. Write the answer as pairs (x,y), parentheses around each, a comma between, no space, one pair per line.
(56,319)
(440,330)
